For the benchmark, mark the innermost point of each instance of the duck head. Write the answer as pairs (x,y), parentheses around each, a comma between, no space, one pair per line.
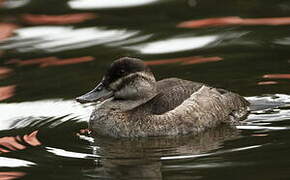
(127,79)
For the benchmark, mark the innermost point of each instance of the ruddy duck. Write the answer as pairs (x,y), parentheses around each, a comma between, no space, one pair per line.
(131,103)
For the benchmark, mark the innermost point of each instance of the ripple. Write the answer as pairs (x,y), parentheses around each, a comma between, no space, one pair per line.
(205,165)
(108,4)
(64,153)
(11,162)
(209,154)
(11,4)
(44,108)
(268,112)
(283,41)
(55,38)
(262,128)
(174,45)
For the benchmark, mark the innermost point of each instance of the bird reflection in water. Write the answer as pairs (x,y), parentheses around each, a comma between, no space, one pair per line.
(145,157)
(131,158)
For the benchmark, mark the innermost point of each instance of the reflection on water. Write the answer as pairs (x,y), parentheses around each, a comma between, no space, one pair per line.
(104,4)
(156,158)
(10,143)
(45,108)
(276,76)
(54,39)
(4,72)
(6,92)
(283,41)
(13,3)
(138,159)
(226,21)
(184,61)
(53,52)
(174,45)
(50,61)
(57,19)
(6,30)
(10,162)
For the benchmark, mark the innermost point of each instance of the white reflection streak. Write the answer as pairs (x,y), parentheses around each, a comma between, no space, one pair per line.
(43,108)
(32,36)
(42,31)
(175,45)
(209,154)
(208,165)
(87,138)
(53,39)
(283,41)
(81,35)
(64,153)
(271,98)
(83,38)
(11,162)
(261,128)
(103,4)
(14,3)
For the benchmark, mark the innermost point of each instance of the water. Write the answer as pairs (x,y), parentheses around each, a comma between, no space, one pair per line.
(51,52)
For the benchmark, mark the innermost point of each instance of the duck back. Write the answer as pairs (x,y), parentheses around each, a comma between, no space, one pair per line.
(172,92)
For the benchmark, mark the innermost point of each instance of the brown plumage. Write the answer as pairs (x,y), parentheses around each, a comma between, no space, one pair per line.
(135,104)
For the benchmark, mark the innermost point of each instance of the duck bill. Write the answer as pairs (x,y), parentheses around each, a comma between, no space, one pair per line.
(99,93)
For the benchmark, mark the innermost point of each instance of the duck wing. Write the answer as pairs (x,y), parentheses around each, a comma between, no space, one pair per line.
(171,93)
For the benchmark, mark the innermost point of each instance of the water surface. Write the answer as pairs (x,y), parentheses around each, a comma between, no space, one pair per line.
(51,52)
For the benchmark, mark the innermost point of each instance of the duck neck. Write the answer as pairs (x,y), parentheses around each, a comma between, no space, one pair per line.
(139,91)
(129,104)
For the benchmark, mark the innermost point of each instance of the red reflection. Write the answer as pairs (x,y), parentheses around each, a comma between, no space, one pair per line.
(186,60)
(1,2)
(4,71)
(11,143)
(277,76)
(7,92)
(57,19)
(226,21)
(11,175)
(84,132)
(267,82)
(32,139)
(68,61)
(31,61)
(51,61)
(14,143)
(198,60)
(6,30)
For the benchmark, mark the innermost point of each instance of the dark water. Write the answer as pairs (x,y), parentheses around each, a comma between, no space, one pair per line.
(52,51)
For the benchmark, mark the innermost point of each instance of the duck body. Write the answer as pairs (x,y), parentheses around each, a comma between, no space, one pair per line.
(136,105)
